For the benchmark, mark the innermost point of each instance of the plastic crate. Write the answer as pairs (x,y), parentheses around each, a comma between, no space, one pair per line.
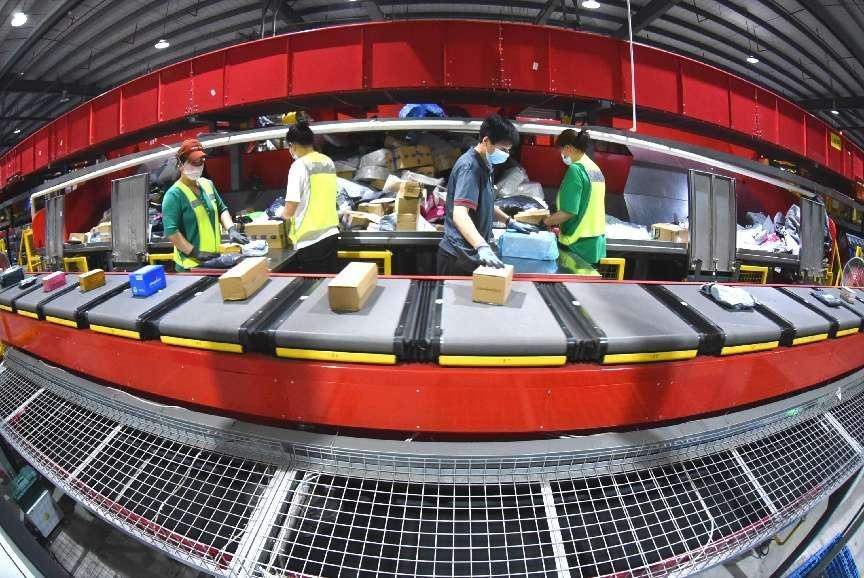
(842,566)
(753,274)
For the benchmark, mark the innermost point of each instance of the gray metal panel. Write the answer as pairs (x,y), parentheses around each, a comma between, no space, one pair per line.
(314,326)
(66,305)
(632,319)
(806,321)
(54,227)
(124,310)
(524,326)
(14,292)
(740,327)
(846,319)
(655,194)
(724,236)
(812,237)
(207,317)
(32,300)
(700,218)
(129,218)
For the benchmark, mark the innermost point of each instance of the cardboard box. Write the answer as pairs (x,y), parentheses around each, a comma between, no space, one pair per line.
(374,176)
(244,279)
(347,175)
(274,232)
(104,228)
(408,162)
(91,280)
(406,221)
(377,158)
(405,206)
(531,216)
(358,220)
(492,285)
(425,160)
(351,288)
(428,171)
(405,151)
(669,233)
(77,237)
(147,280)
(229,248)
(444,161)
(53,281)
(410,189)
(423,150)
(379,209)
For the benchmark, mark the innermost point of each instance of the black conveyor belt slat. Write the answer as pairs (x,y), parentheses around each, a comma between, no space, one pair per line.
(787,329)
(436,330)
(148,323)
(259,331)
(835,325)
(586,341)
(413,338)
(711,337)
(34,301)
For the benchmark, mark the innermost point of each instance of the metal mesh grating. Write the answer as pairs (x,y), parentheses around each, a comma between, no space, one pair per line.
(242,504)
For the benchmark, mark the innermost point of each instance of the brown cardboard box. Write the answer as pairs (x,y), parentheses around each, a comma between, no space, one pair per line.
(351,288)
(405,151)
(358,220)
(492,285)
(91,280)
(243,279)
(229,248)
(428,171)
(77,237)
(443,162)
(408,162)
(347,175)
(406,222)
(425,160)
(379,209)
(406,206)
(410,189)
(274,232)
(104,228)
(669,233)
(531,216)
(424,150)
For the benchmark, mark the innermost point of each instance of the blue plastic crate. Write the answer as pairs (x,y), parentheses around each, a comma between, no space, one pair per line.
(147,280)
(842,566)
(542,246)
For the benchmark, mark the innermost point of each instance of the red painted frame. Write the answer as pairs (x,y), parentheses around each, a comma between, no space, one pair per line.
(429,398)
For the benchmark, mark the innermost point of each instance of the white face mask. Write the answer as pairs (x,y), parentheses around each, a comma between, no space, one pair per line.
(566,160)
(192,172)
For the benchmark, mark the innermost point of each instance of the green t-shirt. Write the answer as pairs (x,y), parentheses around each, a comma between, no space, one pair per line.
(573,197)
(177,213)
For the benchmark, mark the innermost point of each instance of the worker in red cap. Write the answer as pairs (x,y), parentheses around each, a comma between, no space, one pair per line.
(192,211)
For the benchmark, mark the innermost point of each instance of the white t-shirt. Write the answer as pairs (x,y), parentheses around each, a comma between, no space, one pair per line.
(299,190)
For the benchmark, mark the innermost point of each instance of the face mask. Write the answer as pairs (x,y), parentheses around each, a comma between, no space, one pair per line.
(192,172)
(292,153)
(566,160)
(497,157)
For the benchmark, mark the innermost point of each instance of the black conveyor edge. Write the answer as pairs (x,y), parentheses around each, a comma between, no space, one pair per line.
(585,340)
(787,328)
(148,323)
(414,336)
(834,323)
(258,332)
(711,337)
(33,302)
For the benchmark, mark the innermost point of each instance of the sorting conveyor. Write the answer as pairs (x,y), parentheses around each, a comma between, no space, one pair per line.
(68,309)
(207,322)
(31,304)
(11,294)
(854,304)
(843,321)
(313,331)
(727,331)
(126,315)
(635,326)
(523,332)
(800,323)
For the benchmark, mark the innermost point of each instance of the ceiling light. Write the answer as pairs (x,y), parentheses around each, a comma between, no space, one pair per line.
(752,60)
(19,19)
(835,112)
(17,130)
(161,45)
(591,4)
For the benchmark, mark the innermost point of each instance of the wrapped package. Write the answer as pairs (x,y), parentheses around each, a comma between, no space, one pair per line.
(542,246)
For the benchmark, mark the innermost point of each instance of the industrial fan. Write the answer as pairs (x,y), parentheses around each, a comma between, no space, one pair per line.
(852,277)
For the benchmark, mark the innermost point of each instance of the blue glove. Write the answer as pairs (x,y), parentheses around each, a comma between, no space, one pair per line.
(488,258)
(515,225)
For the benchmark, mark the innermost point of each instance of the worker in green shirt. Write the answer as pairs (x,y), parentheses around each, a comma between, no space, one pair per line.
(581,214)
(192,211)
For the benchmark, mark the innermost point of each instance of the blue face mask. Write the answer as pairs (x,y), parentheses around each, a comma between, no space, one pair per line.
(497,157)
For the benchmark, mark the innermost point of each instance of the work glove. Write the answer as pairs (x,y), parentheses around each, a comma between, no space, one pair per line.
(201,256)
(525,228)
(488,258)
(236,236)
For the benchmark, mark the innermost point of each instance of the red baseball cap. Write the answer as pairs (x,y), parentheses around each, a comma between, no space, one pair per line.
(191,150)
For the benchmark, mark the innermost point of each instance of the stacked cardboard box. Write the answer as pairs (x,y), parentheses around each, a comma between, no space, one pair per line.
(669,232)
(408,205)
(410,157)
(274,232)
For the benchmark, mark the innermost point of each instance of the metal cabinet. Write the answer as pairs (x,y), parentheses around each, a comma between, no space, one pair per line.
(712,222)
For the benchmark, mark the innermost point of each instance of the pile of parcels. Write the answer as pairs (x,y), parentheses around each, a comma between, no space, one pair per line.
(782,234)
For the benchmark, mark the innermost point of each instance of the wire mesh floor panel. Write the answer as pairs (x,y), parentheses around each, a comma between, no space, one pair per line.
(315,509)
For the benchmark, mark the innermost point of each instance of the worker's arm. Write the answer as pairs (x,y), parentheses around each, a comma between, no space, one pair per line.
(288,209)
(501,216)
(179,241)
(171,221)
(556,219)
(572,198)
(298,185)
(466,227)
(466,195)
(225,218)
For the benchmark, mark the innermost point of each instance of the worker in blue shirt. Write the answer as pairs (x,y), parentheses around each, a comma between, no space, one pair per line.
(470,205)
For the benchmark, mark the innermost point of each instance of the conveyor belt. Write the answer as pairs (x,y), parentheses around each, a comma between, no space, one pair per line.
(843,321)
(69,308)
(313,331)
(637,326)
(806,326)
(743,331)
(31,304)
(856,305)
(11,294)
(208,322)
(129,316)
(522,332)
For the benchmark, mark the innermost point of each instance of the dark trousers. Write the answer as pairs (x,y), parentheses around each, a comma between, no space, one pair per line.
(318,258)
(451,266)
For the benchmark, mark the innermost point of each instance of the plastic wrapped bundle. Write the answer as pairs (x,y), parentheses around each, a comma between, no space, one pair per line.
(542,246)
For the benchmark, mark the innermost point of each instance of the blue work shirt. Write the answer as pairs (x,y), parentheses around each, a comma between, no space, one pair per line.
(470,185)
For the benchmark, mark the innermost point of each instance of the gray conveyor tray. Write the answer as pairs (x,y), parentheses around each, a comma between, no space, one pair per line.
(11,294)
(632,319)
(740,327)
(207,317)
(32,300)
(314,326)
(805,321)
(845,318)
(67,305)
(124,310)
(524,326)
(856,305)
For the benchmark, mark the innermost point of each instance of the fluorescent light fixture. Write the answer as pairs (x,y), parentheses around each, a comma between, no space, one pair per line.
(591,4)
(19,19)
(17,131)
(162,44)
(752,59)
(835,111)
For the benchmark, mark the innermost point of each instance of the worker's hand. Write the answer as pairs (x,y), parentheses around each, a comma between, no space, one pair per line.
(515,225)
(236,236)
(202,256)
(488,257)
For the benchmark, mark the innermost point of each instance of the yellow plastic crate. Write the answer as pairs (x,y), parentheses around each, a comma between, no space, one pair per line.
(753,274)
(75,264)
(164,258)
(612,268)
(384,259)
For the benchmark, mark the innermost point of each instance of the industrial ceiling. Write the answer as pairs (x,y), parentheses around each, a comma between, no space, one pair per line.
(67,51)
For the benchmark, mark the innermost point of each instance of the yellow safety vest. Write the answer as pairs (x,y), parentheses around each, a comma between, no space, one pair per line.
(593,223)
(320,214)
(209,233)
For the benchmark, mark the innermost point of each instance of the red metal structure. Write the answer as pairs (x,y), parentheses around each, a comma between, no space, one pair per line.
(375,63)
